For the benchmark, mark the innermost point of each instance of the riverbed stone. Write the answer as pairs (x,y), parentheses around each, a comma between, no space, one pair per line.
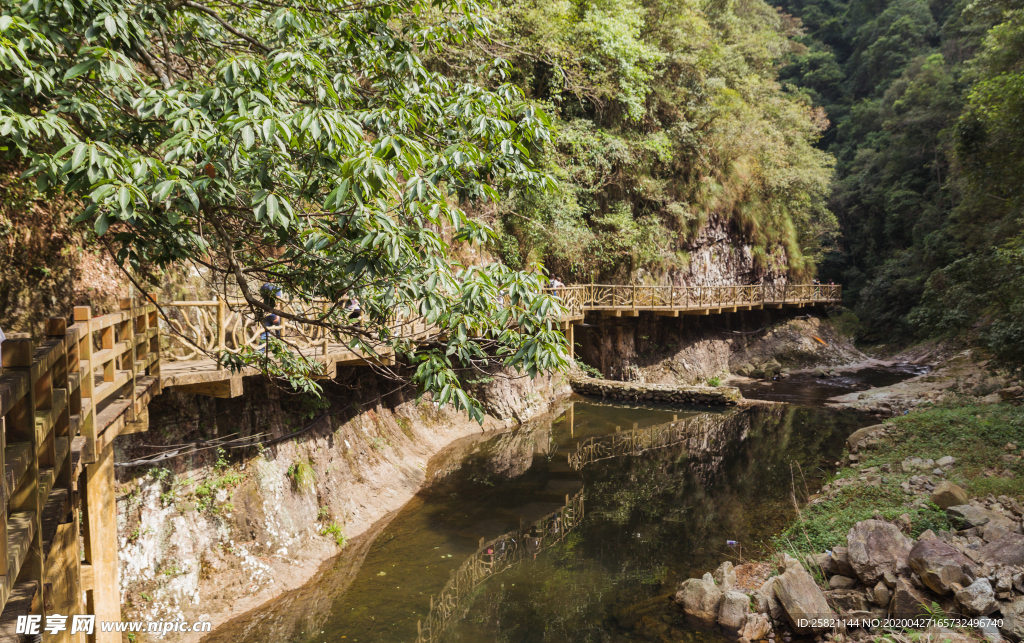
(801,599)
(948,495)
(725,576)
(876,547)
(880,594)
(767,602)
(756,628)
(858,436)
(939,565)
(701,601)
(965,516)
(841,561)
(1013,619)
(847,600)
(842,582)
(977,599)
(1008,550)
(908,602)
(732,614)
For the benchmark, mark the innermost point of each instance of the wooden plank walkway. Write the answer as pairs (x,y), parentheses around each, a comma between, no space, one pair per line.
(213,326)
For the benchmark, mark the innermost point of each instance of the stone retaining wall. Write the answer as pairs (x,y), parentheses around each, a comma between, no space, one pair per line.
(635,391)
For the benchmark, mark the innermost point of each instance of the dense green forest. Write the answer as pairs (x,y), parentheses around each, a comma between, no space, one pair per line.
(879,143)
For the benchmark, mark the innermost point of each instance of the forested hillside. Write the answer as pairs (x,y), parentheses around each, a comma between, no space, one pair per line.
(667,114)
(926,101)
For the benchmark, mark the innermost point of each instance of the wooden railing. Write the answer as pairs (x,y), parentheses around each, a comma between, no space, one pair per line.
(579,299)
(61,404)
(494,557)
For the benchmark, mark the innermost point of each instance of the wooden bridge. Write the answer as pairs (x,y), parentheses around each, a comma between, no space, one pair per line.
(65,399)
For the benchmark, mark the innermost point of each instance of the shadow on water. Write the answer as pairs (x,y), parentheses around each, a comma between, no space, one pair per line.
(810,390)
(572,530)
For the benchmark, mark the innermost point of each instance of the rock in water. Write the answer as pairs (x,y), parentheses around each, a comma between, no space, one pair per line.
(701,601)
(876,547)
(1008,550)
(948,495)
(801,599)
(732,615)
(1013,619)
(977,599)
(725,576)
(940,565)
(907,602)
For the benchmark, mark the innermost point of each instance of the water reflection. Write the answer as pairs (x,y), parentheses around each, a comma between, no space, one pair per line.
(655,514)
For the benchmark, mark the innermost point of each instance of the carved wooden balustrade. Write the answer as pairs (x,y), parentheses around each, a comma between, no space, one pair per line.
(494,557)
(579,299)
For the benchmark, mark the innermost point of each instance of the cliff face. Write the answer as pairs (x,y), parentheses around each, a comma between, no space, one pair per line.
(719,256)
(214,533)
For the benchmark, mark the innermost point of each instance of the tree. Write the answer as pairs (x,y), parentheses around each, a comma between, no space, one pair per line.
(297,143)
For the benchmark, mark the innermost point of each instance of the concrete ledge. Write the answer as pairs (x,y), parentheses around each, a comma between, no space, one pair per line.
(665,394)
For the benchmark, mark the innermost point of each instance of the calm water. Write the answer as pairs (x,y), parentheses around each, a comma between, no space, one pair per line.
(571,530)
(806,389)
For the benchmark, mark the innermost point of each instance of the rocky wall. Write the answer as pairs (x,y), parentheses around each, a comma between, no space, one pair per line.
(691,349)
(665,394)
(215,532)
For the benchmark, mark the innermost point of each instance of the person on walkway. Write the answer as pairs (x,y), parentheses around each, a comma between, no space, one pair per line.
(354,309)
(271,327)
(556,283)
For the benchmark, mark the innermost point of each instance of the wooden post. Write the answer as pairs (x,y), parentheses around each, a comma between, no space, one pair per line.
(101,542)
(20,426)
(126,331)
(221,328)
(571,336)
(87,386)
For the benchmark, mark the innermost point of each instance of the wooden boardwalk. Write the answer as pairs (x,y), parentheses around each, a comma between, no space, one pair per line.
(203,327)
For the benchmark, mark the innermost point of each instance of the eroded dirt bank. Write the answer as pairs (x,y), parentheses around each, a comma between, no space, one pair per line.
(214,532)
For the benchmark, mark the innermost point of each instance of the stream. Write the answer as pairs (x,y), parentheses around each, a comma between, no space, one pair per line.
(572,529)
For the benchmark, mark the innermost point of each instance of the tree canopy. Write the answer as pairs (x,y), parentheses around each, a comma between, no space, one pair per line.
(299,144)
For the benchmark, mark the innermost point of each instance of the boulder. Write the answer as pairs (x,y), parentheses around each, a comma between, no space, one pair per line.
(1013,619)
(756,628)
(841,561)
(876,547)
(725,576)
(732,615)
(966,516)
(857,436)
(1008,550)
(701,601)
(908,602)
(977,599)
(881,594)
(820,563)
(847,600)
(948,495)
(787,562)
(842,582)
(801,599)
(940,565)
(767,603)
(993,531)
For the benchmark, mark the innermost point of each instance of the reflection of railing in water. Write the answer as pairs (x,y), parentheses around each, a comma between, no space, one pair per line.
(494,557)
(637,441)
